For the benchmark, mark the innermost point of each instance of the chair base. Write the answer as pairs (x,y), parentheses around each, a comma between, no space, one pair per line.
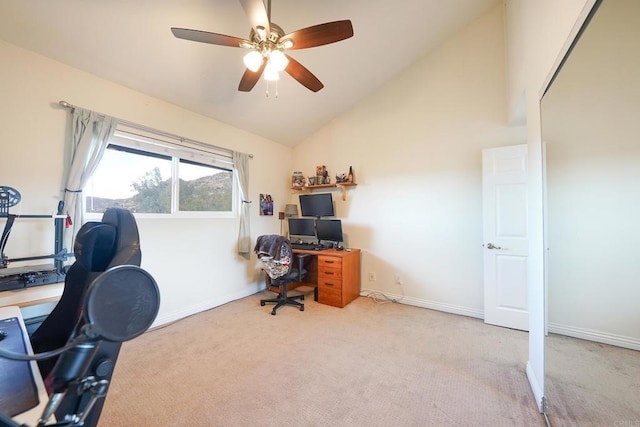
(282,300)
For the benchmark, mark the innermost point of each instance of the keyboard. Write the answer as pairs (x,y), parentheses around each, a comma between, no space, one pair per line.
(307,246)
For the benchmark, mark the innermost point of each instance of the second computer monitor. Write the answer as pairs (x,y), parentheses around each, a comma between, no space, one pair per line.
(329,230)
(302,227)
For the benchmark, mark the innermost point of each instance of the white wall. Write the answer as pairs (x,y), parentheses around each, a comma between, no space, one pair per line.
(415,147)
(194,261)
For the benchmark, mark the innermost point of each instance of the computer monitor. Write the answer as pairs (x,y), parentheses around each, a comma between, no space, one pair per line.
(316,205)
(302,227)
(329,230)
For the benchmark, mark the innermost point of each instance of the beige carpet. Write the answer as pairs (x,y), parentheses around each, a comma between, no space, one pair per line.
(589,384)
(367,364)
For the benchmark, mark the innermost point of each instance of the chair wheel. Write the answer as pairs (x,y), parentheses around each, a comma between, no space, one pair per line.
(261,303)
(302,308)
(273,312)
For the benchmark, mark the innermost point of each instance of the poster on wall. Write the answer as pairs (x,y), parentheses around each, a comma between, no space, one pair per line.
(266,204)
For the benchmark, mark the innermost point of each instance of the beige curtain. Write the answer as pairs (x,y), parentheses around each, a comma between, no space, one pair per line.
(241,166)
(90,136)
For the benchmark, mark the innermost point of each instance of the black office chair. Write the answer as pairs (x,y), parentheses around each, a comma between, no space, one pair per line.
(98,247)
(277,256)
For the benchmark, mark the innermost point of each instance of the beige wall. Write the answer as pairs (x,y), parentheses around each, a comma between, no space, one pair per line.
(194,261)
(416,150)
(538,33)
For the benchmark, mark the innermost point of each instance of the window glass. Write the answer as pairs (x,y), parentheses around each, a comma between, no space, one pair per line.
(124,179)
(203,187)
(149,182)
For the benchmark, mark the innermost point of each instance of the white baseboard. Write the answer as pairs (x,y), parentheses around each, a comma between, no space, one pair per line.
(433,305)
(206,305)
(590,335)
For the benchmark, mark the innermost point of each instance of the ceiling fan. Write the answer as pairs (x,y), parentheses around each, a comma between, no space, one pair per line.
(268,43)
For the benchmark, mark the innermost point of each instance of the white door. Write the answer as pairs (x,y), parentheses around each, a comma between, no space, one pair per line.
(506,245)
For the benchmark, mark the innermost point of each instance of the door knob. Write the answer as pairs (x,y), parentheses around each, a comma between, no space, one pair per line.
(492,246)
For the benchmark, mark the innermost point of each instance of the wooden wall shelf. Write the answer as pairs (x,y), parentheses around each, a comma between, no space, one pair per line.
(341,185)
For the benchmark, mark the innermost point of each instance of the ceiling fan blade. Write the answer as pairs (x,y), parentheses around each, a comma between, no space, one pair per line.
(318,35)
(206,37)
(250,78)
(303,75)
(257,14)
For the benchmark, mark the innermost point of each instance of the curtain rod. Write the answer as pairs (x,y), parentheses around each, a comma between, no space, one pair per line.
(72,107)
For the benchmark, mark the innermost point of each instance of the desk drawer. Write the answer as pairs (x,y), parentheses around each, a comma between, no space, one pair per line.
(329,283)
(329,262)
(330,292)
(330,273)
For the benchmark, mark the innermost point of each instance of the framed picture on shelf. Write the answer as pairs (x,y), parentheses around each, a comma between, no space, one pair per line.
(297,179)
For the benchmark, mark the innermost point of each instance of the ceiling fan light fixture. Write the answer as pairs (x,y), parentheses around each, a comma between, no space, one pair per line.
(253,60)
(271,73)
(278,60)
(287,44)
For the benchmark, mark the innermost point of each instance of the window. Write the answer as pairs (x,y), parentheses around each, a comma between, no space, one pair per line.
(149,175)
(204,188)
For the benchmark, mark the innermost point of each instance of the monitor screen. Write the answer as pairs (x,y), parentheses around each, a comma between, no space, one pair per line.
(329,230)
(316,205)
(302,227)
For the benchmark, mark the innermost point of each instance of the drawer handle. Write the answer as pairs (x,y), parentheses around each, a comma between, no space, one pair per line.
(329,273)
(328,284)
(329,262)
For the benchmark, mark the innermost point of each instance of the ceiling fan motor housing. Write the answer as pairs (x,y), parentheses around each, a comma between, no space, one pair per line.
(275,35)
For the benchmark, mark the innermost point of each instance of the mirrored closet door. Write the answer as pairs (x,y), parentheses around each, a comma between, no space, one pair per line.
(591,131)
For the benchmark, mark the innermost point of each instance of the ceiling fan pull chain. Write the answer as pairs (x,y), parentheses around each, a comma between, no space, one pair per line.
(267,92)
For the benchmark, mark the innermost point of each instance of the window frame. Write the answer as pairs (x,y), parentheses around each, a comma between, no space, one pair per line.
(145,143)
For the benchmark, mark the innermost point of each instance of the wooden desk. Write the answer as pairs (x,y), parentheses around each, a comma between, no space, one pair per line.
(336,274)
(32,296)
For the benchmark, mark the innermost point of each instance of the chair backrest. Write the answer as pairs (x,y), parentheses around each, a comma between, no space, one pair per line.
(276,254)
(127,245)
(98,246)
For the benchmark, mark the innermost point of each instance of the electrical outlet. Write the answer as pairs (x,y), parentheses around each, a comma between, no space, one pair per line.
(398,279)
(372,276)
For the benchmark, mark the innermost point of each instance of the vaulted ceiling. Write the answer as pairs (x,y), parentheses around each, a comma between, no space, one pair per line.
(130,43)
